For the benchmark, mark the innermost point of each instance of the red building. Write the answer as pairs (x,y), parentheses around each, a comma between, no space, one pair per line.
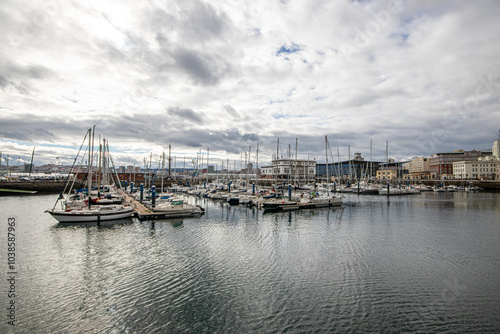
(441,164)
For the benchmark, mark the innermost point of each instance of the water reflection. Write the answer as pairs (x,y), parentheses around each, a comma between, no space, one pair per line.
(103,224)
(425,263)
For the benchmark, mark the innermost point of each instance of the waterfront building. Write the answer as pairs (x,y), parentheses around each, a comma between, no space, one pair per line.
(266,172)
(419,168)
(495,149)
(389,173)
(482,169)
(393,171)
(294,170)
(441,164)
(354,169)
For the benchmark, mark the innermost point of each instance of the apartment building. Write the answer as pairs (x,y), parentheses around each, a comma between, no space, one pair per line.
(483,169)
(441,164)
(419,168)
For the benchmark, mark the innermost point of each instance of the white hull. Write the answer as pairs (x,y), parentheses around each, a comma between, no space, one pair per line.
(178,213)
(86,215)
(176,209)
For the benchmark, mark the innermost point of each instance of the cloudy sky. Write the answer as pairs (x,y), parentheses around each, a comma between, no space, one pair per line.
(224,76)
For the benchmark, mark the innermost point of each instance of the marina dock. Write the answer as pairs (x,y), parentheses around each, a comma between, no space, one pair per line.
(143,213)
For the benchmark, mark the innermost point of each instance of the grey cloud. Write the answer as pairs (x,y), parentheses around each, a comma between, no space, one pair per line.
(195,66)
(18,77)
(38,72)
(3,81)
(204,69)
(34,128)
(230,110)
(185,114)
(195,21)
(206,21)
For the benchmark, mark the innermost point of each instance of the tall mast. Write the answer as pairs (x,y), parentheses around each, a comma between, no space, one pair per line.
(350,168)
(277,162)
(106,172)
(340,169)
(31,164)
(326,154)
(257,166)
(296,162)
(248,164)
(150,169)
(371,162)
(162,170)
(99,169)
(169,159)
(89,173)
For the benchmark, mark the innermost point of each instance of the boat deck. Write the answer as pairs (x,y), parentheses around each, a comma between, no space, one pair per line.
(300,206)
(143,213)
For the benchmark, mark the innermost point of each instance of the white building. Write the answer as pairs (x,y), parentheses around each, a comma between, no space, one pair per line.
(495,149)
(482,169)
(302,171)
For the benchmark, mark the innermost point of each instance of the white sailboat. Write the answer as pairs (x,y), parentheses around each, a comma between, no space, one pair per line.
(176,208)
(88,212)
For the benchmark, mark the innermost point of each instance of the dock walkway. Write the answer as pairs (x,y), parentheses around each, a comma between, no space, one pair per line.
(143,213)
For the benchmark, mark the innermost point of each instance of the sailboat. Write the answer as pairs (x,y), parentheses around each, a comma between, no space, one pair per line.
(87,212)
(328,199)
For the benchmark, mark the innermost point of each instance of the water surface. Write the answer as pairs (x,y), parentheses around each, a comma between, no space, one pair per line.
(425,263)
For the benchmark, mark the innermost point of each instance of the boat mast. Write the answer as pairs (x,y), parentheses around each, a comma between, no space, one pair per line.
(89,173)
(387,155)
(162,171)
(277,162)
(106,173)
(150,170)
(326,154)
(339,165)
(371,163)
(350,168)
(170,160)
(297,181)
(99,169)
(248,164)
(31,164)
(257,166)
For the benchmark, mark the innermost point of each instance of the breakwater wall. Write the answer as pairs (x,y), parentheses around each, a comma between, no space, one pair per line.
(44,186)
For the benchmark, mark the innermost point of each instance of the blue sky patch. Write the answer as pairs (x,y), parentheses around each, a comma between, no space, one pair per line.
(288,49)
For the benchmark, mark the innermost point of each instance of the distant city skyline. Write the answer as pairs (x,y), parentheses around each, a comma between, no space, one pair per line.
(219,77)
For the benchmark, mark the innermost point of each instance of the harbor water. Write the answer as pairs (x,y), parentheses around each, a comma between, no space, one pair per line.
(424,263)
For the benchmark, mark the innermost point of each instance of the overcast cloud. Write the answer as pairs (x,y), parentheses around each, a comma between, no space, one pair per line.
(226,75)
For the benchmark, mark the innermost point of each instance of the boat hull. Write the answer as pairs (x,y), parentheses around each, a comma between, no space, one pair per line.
(176,213)
(86,216)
